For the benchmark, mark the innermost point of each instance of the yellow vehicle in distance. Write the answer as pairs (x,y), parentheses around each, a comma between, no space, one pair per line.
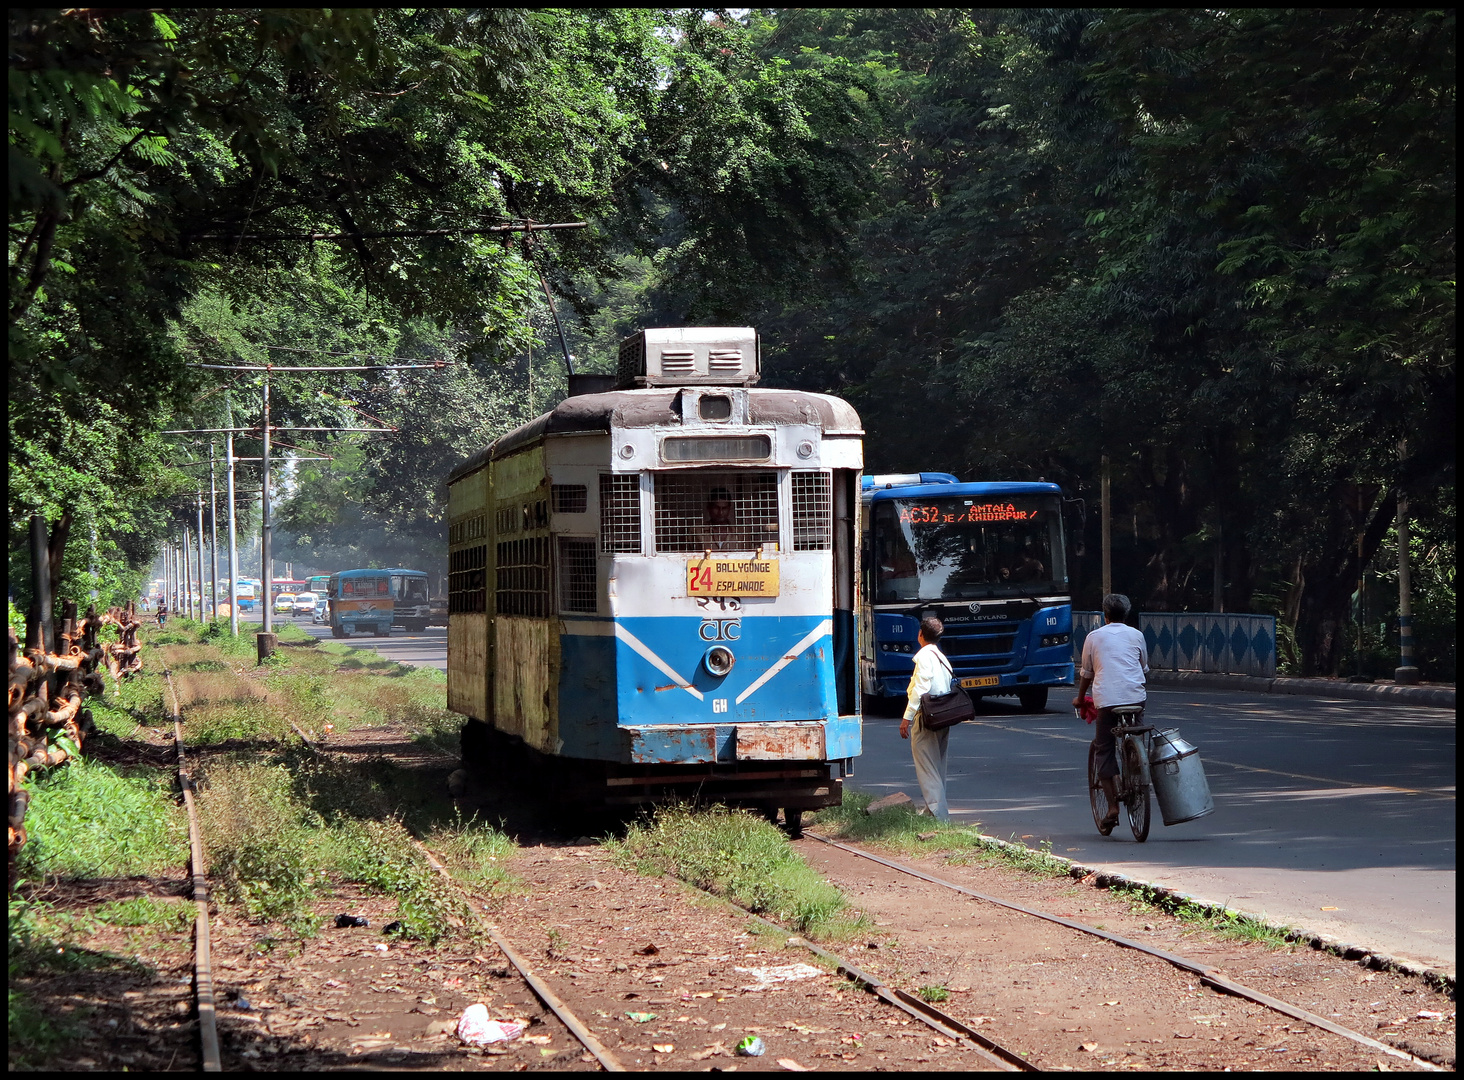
(284,603)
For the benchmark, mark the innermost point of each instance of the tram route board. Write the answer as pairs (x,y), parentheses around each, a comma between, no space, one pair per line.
(732,577)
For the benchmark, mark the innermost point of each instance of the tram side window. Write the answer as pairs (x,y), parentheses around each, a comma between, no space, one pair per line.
(570,498)
(467,580)
(620,510)
(812,513)
(523,576)
(577,583)
(716,510)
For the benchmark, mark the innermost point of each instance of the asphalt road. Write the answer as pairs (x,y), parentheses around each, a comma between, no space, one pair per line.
(427,649)
(1335,816)
(1319,805)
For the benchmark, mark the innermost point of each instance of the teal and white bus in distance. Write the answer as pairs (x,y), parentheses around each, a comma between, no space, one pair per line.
(989,560)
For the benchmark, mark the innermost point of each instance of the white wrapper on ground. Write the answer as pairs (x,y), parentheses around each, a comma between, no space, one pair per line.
(476,1029)
(769,976)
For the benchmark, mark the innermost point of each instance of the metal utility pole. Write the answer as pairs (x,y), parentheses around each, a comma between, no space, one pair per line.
(202,613)
(213,530)
(266,572)
(1107,519)
(1407,671)
(187,572)
(233,541)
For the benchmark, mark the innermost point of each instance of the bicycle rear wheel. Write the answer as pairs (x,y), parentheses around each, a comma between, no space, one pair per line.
(1137,802)
(1096,799)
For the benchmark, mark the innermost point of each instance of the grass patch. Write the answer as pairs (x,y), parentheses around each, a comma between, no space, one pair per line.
(743,858)
(261,849)
(146,911)
(933,995)
(381,855)
(476,854)
(90,820)
(900,829)
(1222,922)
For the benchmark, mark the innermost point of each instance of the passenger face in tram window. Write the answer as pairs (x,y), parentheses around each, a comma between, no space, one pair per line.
(719,507)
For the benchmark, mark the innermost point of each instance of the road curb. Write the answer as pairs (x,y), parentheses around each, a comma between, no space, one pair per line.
(1443,981)
(1438,697)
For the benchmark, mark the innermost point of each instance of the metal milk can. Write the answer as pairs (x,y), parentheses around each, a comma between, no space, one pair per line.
(1179,778)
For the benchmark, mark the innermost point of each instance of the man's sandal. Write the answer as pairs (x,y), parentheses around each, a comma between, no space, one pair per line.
(1110,819)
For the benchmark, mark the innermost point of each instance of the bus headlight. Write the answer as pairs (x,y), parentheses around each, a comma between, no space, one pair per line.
(719,660)
(1055,639)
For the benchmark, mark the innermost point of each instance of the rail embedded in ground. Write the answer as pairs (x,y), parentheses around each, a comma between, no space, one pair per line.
(1208,975)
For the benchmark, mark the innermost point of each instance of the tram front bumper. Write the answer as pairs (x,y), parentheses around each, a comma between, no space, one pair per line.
(804,740)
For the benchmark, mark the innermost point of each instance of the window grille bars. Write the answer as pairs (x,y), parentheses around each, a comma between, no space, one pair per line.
(812,512)
(577,581)
(620,523)
(731,510)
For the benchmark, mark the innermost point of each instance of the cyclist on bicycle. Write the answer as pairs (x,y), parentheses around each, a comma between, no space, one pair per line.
(1115,661)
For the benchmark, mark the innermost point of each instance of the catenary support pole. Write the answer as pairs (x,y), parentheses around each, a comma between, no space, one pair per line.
(198,505)
(1107,520)
(266,565)
(1407,670)
(187,573)
(213,530)
(233,534)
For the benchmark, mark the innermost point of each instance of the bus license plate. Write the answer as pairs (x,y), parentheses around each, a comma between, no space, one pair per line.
(983,680)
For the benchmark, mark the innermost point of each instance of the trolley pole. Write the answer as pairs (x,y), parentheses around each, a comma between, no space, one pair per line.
(1107,520)
(1406,672)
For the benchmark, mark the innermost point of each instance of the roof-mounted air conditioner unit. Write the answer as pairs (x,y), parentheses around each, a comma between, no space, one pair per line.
(689,356)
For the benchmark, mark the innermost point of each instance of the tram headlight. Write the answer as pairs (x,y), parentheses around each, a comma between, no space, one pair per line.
(719,660)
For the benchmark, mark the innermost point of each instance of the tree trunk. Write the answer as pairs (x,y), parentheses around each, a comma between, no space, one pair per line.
(1324,613)
(55,549)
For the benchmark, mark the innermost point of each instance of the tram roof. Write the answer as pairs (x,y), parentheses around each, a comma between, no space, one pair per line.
(658,408)
(980,489)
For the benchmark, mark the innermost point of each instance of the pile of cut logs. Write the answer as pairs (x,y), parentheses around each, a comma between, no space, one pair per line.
(47,722)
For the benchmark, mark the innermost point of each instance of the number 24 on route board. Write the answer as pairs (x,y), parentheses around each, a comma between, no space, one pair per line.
(732,577)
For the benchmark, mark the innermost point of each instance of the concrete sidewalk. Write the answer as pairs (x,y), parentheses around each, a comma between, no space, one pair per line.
(1441,697)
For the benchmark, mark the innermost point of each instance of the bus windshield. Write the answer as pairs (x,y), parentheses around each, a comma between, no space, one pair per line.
(967,548)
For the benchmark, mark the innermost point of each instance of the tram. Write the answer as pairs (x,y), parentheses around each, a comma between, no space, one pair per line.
(652,587)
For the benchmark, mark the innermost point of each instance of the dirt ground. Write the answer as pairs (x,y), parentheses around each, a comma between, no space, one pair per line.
(1075,1001)
(670,979)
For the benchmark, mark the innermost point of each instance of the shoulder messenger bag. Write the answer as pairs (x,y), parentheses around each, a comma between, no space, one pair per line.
(940,711)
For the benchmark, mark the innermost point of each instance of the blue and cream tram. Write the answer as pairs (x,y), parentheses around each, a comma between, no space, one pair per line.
(655,585)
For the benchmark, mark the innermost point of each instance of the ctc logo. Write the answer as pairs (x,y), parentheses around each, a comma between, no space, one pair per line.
(721,630)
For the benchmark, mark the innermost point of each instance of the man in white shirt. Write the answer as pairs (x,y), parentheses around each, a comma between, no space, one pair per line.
(932,675)
(1115,661)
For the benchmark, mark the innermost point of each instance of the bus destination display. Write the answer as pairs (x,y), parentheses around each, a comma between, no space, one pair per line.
(937,514)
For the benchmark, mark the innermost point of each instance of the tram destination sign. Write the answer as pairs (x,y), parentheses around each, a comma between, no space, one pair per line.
(721,576)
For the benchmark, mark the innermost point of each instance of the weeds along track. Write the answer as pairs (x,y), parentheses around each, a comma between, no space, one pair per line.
(205,1003)
(1205,973)
(203,989)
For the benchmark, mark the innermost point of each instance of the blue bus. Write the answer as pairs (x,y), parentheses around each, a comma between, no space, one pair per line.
(989,560)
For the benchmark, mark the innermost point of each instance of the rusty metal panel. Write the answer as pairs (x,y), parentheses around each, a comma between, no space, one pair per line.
(467,664)
(781,742)
(666,745)
(524,684)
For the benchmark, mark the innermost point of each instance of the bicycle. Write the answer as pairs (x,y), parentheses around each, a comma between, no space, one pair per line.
(1133,744)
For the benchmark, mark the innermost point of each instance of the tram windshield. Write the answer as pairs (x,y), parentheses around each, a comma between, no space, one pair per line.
(716,510)
(967,548)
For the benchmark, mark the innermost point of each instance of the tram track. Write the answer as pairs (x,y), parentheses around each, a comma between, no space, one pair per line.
(1207,975)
